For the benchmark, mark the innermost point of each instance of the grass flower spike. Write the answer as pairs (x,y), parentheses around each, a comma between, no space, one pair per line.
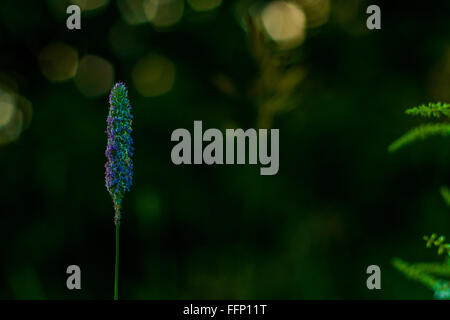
(119,167)
(119,150)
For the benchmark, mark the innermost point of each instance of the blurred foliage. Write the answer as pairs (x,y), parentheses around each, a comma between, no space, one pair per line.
(336,91)
(436,110)
(424,272)
(427,273)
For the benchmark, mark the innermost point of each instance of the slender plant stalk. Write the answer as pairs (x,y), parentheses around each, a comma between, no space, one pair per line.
(116,273)
(119,151)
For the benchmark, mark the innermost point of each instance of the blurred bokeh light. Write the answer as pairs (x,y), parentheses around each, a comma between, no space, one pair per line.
(15,115)
(317,11)
(164,13)
(153,75)
(95,76)
(204,5)
(7,108)
(58,62)
(132,11)
(58,8)
(285,23)
(90,4)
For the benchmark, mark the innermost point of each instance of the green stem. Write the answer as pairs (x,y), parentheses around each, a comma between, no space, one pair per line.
(116,273)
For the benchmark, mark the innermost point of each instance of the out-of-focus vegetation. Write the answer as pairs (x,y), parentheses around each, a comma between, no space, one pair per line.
(339,203)
(433,275)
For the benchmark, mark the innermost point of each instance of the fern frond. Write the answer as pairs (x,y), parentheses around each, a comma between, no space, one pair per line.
(445,193)
(438,242)
(440,269)
(442,290)
(415,273)
(432,110)
(421,273)
(420,133)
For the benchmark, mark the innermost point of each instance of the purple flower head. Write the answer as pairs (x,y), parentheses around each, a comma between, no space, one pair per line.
(119,150)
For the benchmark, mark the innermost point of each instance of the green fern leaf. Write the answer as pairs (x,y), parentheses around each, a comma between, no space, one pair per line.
(420,133)
(440,269)
(415,273)
(445,193)
(432,110)
(438,242)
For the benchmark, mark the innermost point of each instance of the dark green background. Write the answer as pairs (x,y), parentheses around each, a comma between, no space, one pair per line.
(339,203)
